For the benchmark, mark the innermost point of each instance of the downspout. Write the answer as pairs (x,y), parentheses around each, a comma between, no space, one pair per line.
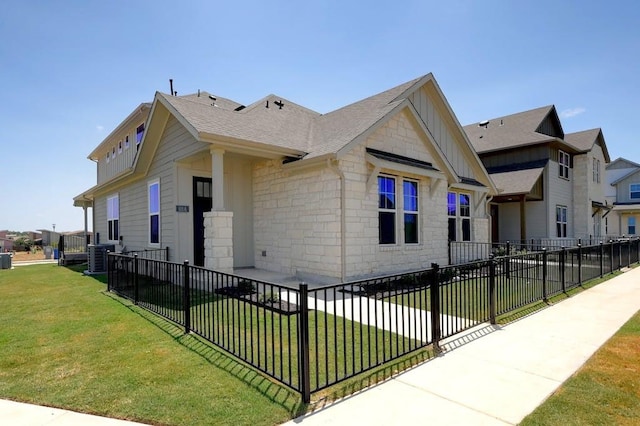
(487,213)
(343,220)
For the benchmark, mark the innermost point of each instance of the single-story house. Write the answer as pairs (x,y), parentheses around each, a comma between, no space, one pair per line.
(377,186)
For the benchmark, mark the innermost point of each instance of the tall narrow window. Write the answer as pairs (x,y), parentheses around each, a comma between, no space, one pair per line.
(139,133)
(386,210)
(634,191)
(113,218)
(452,212)
(120,147)
(410,196)
(154,212)
(459,216)
(596,170)
(465,216)
(563,161)
(108,156)
(631,222)
(561,221)
(126,142)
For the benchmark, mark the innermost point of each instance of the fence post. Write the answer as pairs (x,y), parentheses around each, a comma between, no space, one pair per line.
(611,256)
(492,291)
(544,275)
(563,260)
(435,307)
(619,255)
(136,291)
(185,298)
(579,264)
(109,277)
(507,261)
(304,374)
(601,254)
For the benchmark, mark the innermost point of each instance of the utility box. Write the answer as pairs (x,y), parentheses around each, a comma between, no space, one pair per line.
(5,261)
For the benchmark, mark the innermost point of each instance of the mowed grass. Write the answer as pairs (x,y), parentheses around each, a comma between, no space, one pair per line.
(605,391)
(66,342)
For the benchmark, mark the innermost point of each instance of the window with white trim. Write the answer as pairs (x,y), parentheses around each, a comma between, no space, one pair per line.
(634,191)
(389,210)
(410,206)
(561,221)
(154,212)
(564,162)
(596,170)
(113,218)
(108,156)
(459,216)
(386,210)
(126,142)
(120,147)
(631,225)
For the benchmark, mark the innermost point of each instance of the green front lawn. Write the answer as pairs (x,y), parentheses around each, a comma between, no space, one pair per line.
(66,342)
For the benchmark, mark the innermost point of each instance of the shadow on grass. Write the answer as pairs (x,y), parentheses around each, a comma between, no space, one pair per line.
(275,392)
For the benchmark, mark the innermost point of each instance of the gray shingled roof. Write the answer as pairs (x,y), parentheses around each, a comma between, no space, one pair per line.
(586,139)
(288,127)
(291,126)
(516,182)
(510,131)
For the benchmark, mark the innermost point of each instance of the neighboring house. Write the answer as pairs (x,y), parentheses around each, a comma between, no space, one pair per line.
(366,189)
(6,243)
(549,184)
(623,192)
(49,238)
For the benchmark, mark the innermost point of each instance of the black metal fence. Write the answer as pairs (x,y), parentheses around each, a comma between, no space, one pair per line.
(461,252)
(310,339)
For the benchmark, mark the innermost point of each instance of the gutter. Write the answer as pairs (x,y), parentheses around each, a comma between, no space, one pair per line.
(343,219)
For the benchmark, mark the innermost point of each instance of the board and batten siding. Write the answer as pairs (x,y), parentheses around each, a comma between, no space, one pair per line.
(124,158)
(175,143)
(441,132)
(519,156)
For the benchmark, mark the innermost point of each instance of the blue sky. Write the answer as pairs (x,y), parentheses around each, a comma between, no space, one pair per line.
(70,71)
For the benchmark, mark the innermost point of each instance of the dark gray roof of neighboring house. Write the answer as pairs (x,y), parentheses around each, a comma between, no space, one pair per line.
(586,139)
(516,182)
(510,131)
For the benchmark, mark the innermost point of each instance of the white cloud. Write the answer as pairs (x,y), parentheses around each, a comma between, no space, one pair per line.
(100,128)
(572,112)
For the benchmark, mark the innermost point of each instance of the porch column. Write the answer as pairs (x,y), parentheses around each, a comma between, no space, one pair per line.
(218,241)
(523,218)
(86,227)
(218,223)
(217,179)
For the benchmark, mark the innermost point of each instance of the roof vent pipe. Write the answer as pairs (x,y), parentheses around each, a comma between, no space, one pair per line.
(171,86)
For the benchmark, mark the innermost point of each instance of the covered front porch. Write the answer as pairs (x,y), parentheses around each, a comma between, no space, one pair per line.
(516,188)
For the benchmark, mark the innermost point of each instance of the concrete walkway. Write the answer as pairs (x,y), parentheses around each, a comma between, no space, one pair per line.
(491,375)
(19,414)
(495,375)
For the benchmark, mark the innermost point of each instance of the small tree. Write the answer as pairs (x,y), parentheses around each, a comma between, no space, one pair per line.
(22,243)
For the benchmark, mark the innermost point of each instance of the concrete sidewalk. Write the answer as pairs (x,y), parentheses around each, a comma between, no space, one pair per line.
(19,414)
(491,375)
(495,375)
